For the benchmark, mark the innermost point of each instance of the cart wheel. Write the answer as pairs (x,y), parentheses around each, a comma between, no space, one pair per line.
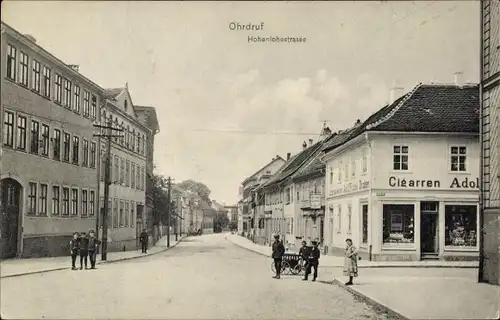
(285,267)
(297,269)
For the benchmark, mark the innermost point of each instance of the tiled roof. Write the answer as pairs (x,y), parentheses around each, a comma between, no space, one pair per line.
(313,167)
(112,92)
(427,108)
(256,172)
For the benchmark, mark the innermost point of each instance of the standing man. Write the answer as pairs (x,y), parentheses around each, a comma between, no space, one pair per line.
(312,261)
(74,245)
(278,252)
(303,253)
(144,241)
(84,250)
(93,245)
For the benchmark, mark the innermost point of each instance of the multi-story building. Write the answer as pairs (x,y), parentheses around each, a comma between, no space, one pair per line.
(126,216)
(148,117)
(404,184)
(232,215)
(48,154)
(246,206)
(489,265)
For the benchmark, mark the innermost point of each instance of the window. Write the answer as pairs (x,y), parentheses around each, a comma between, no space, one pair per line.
(132,182)
(93,110)
(55,200)
(143,145)
(127,173)
(74,202)
(92,203)
(35,76)
(21,133)
(8,129)
(398,223)
(57,144)
(11,62)
(339,173)
(116,177)
(76,147)
(127,213)
(122,218)
(23,68)
(132,213)
(67,93)
(460,226)
(364,223)
(86,101)
(339,219)
(122,170)
(65,204)
(45,140)
(35,136)
(364,160)
(84,203)
(331,175)
(85,160)
(138,177)
(43,199)
(349,218)
(66,146)
(139,143)
(400,158)
(92,154)
(76,98)
(46,82)
(458,158)
(143,182)
(32,198)
(58,89)
(353,168)
(133,140)
(115,214)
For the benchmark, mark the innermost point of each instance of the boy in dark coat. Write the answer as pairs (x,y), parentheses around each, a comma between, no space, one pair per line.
(278,252)
(303,252)
(74,247)
(144,241)
(312,261)
(93,245)
(84,250)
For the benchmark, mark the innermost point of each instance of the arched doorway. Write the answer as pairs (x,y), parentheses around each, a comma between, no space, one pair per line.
(11,206)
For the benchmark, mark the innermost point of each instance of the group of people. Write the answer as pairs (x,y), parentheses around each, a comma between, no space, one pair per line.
(311,254)
(85,246)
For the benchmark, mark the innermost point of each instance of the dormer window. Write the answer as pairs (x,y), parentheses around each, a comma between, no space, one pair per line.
(125,105)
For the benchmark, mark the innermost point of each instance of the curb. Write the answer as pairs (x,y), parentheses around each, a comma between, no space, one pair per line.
(97,263)
(369,267)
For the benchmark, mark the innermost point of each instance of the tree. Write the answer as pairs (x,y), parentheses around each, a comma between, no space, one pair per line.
(160,198)
(197,187)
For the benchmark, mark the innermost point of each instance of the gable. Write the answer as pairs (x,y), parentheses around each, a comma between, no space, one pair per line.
(124,102)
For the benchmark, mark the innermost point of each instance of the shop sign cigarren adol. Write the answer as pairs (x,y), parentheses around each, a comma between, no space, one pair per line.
(351,187)
(457,183)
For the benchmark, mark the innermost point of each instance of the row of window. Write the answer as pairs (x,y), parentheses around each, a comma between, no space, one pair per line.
(129,139)
(125,173)
(121,212)
(41,140)
(64,201)
(65,93)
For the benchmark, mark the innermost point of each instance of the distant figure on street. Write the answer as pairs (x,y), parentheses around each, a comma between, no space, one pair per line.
(278,252)
(350,261)
(74,245)
(93,245)
(303,251)
(312,261)
(84,250)
(144,241)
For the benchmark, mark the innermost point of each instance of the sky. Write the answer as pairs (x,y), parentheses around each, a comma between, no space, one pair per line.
(227,106)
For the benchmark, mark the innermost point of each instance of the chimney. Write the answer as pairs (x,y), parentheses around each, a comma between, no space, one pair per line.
(74,67)
(358,122)
(459,75)
(310,142)
(30,37)
(395,94)
(325,133)
(304,145)
(288,155)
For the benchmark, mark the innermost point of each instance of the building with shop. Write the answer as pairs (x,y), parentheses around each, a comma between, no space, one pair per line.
(147,116)
(245,209)
(404,184)
(489,264)
(127,192)
(48,154)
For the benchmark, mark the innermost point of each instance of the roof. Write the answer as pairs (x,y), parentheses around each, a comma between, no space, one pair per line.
(112,93)
(256,172)
(443,108)
(150,116)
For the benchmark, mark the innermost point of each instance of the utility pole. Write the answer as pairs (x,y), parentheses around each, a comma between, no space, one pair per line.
(169,181)
(108,134)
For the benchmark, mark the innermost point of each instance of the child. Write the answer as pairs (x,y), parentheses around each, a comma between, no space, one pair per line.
(84,250)
(93,245)
(74,246)
(350,261)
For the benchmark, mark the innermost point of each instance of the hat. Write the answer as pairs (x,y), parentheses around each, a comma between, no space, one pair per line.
(314,242)
(276,236)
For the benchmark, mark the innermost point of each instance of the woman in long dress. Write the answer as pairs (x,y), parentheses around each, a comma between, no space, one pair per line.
(350,261)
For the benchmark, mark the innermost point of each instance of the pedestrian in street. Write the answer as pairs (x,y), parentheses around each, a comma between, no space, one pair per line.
(277,255)
(74,245)
(84,250)
(303,252)
(312,261)
(93,245)
(144,238)
(350,261)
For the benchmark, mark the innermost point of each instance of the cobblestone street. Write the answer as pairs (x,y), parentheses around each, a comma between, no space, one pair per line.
(201,278)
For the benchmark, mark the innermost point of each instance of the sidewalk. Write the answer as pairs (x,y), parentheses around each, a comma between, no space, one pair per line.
(19,267)
(338,262)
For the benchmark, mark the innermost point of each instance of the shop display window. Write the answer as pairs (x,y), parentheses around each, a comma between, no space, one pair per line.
(398,223)
(460,226)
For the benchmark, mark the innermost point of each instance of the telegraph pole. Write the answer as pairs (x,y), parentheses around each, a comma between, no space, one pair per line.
(169,181)
(108,134)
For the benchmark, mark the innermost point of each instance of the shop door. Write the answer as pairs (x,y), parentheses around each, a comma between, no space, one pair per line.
(10,211)
(428,234)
